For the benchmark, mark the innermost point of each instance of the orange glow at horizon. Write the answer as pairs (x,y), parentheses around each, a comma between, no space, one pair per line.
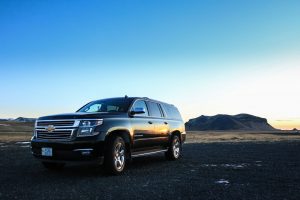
(286,124)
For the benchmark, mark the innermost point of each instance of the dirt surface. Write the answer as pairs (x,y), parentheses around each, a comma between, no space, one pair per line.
(214,170)
(242,136)
(15,131)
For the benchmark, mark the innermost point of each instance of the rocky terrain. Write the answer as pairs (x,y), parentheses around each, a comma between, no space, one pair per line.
(218,170)
(215,165)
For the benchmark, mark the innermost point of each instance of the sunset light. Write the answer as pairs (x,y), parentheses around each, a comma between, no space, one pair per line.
(245,60)
(150,99)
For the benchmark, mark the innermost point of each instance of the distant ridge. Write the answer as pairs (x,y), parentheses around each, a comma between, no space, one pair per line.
(24,119)
(221,122)
(19,119)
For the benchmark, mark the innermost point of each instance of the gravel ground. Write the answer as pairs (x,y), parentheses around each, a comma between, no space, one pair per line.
(245,170)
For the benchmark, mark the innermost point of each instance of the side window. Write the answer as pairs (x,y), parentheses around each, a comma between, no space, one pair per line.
(154,109)
(163,113)
(140,104)
(112,108)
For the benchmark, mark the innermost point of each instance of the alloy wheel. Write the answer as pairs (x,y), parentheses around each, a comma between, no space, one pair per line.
(119,157)
(176,147)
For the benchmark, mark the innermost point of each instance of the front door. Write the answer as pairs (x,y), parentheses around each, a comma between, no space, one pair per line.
(142,126)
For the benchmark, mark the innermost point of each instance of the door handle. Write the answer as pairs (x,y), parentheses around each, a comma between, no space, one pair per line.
(150,122)
(166,123)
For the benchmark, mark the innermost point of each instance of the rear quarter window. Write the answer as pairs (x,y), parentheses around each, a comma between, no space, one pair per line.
(171,112)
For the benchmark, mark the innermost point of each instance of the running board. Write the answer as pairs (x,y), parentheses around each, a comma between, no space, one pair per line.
(148,153)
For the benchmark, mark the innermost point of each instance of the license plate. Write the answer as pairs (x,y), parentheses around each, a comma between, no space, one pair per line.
(46,151)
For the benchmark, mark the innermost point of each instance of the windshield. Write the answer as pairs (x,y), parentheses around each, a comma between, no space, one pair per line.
(107,105)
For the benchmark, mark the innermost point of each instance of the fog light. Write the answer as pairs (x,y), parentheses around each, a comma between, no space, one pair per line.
(85,152)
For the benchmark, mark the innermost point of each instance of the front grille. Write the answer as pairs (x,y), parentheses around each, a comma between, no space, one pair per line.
(56,123)
(55,135)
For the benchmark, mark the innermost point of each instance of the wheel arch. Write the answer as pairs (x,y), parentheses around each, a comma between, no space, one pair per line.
(125,134)
(176,132)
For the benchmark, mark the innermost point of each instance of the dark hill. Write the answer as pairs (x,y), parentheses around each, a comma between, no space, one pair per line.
(24,119)
(228,122)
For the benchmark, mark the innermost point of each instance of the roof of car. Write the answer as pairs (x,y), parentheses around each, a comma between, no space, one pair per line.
(134,98)
(146,98)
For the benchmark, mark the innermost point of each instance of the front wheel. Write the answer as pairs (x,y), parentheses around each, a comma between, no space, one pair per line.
(174,151)
(115,155)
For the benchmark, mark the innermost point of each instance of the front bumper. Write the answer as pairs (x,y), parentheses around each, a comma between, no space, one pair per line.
(79,151)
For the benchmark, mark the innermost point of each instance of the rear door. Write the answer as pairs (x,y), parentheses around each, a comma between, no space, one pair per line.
(173,118)
(161,127)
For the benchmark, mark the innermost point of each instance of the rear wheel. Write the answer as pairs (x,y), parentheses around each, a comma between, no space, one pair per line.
(115,155)
(53,166)
(174,151)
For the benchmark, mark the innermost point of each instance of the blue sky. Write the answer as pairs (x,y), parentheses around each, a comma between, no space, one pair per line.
(206,57)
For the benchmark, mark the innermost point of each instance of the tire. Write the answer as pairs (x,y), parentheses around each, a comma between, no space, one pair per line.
(115,155)
(53,166)
(174,150)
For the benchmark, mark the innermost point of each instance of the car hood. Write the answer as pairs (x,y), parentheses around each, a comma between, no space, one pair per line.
(82,115)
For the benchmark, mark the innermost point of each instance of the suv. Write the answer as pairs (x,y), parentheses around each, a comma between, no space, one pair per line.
(109,131)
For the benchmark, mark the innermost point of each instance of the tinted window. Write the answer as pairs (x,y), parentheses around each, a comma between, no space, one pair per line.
(154,109)
(171,111)
(93,108)
(140,104)
(107,105)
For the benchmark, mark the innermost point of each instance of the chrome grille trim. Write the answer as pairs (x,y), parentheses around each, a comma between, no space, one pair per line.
(59,134)
(58,123)
(63,129)
(60,126)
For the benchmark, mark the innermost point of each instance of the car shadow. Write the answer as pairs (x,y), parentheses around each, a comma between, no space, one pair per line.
(152,162)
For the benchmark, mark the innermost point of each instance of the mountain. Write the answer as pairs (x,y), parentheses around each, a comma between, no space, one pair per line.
(6,119)
(24,119)
(228,122)
(19,119)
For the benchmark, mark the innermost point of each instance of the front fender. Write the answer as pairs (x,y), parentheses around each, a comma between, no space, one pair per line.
(114,124)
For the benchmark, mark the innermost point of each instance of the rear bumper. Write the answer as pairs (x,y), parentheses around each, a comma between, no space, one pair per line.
(183,137)
(73,151)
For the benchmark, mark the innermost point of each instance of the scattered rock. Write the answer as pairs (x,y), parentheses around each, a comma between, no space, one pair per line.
(4,124)
(25,146)
(222,181)
(22,142)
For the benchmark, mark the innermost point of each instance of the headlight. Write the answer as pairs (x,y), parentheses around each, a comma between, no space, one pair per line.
(87,127)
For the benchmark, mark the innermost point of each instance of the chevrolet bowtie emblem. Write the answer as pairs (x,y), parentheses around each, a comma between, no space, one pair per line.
(50,128)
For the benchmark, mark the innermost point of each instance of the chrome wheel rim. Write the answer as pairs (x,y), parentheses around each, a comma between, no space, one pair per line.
(119,156)
(176,147)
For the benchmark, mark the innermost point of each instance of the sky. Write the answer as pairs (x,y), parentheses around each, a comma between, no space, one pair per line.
(206,57)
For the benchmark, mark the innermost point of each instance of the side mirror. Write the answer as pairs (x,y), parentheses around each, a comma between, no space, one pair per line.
(138,110)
